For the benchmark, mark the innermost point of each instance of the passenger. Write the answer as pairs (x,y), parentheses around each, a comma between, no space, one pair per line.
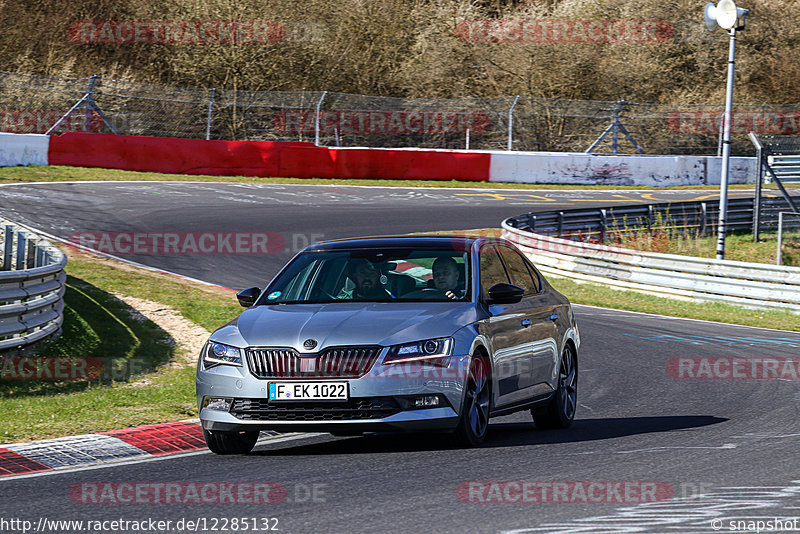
(367,281)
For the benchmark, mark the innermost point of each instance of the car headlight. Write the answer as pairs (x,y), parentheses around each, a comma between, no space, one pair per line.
(432,350)
(219,354)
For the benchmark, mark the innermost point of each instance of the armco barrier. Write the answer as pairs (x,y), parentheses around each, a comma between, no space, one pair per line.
(748,284)
(32,286)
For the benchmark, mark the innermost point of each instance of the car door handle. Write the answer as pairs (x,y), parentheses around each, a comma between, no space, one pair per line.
(525,323)
(553,316)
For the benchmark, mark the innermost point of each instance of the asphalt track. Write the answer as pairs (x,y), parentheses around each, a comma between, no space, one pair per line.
(726,447)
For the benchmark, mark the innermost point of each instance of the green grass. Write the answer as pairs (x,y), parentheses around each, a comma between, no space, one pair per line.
(597,295)
(135,387)
(57,173)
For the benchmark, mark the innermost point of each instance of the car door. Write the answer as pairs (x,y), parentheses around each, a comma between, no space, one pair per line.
(508,332)
(541,314)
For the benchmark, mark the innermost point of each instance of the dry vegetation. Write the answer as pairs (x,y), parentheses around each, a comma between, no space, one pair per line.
(411,48)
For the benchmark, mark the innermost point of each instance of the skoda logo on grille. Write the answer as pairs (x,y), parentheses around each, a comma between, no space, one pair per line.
(309,344)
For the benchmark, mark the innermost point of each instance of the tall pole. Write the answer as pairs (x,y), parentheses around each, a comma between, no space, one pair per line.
(726,148)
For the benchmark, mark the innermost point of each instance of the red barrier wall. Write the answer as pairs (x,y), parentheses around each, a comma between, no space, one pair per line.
(262,158)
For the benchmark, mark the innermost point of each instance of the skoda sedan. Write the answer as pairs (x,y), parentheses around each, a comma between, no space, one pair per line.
(401,333)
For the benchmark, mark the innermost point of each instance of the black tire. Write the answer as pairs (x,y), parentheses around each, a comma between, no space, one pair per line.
(560,411)
(230,442)
(474,423)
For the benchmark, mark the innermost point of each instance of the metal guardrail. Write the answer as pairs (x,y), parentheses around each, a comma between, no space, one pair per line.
(786,168)
(605,224)
(743,283)
(32,284)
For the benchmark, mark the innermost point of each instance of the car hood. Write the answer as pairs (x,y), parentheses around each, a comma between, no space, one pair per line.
(338,324)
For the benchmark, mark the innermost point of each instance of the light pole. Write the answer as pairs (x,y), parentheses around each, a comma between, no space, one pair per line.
(729,17)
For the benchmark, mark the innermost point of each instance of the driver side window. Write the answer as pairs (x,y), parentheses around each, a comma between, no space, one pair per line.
(492,270)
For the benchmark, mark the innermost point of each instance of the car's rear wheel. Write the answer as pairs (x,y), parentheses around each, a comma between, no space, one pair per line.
(230,442)
(560,411)
(474,422)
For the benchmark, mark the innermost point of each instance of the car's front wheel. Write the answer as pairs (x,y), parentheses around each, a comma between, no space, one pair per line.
(560,411)
(230,442)
(474,423)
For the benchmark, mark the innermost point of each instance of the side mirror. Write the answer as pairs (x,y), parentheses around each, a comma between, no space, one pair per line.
(503,293)
(247,297)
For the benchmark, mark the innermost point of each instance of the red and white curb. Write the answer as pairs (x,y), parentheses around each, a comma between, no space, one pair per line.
(91,449)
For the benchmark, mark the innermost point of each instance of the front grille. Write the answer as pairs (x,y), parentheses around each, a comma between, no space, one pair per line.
(335,362)
(263,410)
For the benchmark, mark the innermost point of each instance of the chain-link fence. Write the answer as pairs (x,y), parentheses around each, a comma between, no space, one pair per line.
(40,104)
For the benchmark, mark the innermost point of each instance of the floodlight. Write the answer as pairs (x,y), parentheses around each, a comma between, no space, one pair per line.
(710,17)
(728,15)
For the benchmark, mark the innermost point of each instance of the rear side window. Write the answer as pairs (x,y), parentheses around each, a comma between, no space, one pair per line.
(492,271)
(518,270)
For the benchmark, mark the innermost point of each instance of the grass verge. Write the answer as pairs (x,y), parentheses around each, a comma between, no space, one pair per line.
(138,385)
(739,246)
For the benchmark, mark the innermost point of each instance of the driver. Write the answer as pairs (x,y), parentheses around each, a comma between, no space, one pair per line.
(445,276)
(367,280)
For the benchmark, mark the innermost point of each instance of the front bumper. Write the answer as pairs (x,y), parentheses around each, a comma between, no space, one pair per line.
(370,406)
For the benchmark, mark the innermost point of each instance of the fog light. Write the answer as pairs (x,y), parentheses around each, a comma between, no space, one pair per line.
(222,404)
(426,401)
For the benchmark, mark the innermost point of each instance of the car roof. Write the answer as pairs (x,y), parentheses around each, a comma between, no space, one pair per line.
(417,241)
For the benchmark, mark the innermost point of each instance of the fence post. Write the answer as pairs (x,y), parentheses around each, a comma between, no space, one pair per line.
(779,257)
(210,112)
(759,179)
(316,119)
(88,105)
(511,123)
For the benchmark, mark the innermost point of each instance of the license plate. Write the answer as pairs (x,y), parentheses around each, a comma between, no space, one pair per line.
(297,391)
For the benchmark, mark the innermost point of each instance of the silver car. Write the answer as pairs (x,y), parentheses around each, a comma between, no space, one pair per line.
(401,333)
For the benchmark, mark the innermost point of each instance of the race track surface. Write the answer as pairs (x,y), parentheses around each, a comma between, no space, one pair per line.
(663,403)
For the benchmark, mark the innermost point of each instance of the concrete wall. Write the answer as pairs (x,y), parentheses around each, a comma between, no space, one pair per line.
(588,169)
(23,149)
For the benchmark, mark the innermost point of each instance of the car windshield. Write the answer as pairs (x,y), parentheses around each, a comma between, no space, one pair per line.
(371,275)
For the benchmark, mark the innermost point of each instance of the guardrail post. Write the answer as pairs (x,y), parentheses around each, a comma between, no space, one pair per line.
(39,256)
(8,247)
(603,226)
(560,223)
(20,264)
(703,217)
(532,221)
(30,256)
